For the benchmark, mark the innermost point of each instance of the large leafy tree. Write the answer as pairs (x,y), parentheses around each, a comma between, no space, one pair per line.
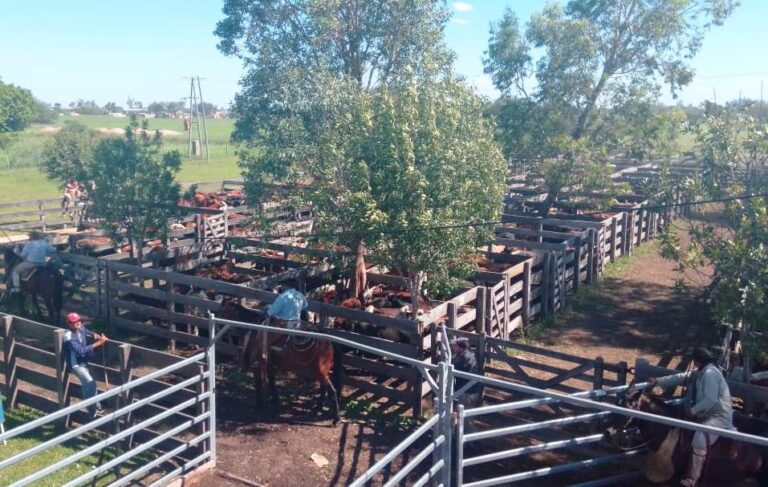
(732,149)
(594,55)
(136,190)
(17,111)
(69,154)
(354,104)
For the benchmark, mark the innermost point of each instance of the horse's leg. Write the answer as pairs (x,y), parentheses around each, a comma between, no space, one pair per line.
(37,307)
(323,366)
(272,385)
(321,399)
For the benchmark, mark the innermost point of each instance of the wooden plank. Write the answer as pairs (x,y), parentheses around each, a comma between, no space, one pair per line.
(378,389)
(526,244)
(394,347)
(381,368)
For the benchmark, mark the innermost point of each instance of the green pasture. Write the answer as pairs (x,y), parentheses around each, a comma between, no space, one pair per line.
(21,415)
(21,180)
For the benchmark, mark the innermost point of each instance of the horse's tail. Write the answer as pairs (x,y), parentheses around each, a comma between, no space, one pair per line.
(337,372)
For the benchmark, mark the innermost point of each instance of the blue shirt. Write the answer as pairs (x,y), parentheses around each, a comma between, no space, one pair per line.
(35,251)
(288,306)
(76,349)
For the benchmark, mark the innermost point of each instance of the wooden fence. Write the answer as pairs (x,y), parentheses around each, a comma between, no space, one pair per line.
(33,373)
(42,214)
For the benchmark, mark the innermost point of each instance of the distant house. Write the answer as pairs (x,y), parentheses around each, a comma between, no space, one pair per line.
(117,114)
(73,114)
(139,112)
(220,114)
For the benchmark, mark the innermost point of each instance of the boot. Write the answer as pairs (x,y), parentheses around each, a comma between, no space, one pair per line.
(694,471)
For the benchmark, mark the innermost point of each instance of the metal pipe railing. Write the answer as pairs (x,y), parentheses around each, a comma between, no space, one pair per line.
(393,453)
(524,428)
(101,421)
(431,474)
(415,461)
(128,478)
(621,411)
(558,469)
(527,450)
(110,440)
(184,468)
(135,451)
(62,413)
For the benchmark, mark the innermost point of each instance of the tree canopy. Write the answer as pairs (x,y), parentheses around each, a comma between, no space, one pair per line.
(354,103)
(591,69)
(136,188)
(17,111)
(69,154)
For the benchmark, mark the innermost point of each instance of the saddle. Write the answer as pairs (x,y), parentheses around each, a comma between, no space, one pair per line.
(26,275)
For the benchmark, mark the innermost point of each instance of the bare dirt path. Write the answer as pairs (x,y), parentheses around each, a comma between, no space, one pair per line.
(635,311)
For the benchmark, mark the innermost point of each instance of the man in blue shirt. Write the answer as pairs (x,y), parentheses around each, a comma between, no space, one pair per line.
(77,353)
(286,310)
(35,254)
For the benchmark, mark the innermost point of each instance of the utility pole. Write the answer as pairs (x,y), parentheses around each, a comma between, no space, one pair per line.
(197,119)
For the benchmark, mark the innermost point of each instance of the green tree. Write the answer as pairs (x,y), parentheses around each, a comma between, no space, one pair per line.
(136,189)
(594,53)
(17,111)
(69,154)
(44,113)
(732,149)
(354,104)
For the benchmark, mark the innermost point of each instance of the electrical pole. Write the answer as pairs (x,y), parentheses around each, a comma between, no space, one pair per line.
(197,118)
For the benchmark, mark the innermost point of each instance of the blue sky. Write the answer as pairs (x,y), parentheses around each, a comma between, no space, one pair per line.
(109,50)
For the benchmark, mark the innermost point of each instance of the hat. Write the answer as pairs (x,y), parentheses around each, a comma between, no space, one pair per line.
(703,355)
(73,318)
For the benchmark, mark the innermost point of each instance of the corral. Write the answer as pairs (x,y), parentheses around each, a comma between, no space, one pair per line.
(526,273)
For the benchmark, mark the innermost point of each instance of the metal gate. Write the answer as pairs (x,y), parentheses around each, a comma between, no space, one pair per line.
(197,448)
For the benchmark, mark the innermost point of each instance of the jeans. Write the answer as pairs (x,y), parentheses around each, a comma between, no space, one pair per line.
(19,269)
(88,385)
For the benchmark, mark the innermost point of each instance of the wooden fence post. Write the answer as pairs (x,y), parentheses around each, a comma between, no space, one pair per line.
(526,294)
(577,264)
(42,215)
(648,225)
(452,312)
(62,377)
(169,308)
(505,307)
(545,284)
(621,375)
(597,382)
(11,379)
(625,243)
(591,255)
(480,308)
(481,361)
(613,238)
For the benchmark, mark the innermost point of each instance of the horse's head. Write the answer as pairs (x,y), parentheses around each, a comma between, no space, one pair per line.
(652,433)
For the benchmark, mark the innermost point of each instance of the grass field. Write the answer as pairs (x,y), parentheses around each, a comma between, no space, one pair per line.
(21,415)
(21,180)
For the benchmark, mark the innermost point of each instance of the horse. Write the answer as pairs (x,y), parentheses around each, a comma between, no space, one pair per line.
(312,359)
(46,282)
(728,461)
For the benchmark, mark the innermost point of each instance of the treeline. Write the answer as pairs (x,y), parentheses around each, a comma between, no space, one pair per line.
(160,109)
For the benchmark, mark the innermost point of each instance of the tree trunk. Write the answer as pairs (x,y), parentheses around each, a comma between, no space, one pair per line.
(581,126)
(359,280)
(415,284)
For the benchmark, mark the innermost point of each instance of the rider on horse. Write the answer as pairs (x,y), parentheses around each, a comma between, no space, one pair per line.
(70,194)
(285,312)
(35,254)
(708,401)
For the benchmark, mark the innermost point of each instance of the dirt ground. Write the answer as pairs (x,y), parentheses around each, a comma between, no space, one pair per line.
(636,311)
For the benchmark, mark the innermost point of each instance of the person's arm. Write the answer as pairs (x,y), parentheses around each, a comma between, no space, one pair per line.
(670,381)
(276,307)
(706,398)
(25,251)
(79,348)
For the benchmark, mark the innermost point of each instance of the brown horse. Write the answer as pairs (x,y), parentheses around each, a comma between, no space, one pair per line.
(48,283)
(312,359)
(728,461)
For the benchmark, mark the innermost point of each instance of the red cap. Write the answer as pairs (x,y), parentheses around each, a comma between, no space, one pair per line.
(73,318)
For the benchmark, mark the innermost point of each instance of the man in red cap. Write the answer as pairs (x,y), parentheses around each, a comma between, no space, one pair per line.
(77,353)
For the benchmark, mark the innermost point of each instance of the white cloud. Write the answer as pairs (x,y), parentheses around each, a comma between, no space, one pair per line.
(463,7)
(460,21)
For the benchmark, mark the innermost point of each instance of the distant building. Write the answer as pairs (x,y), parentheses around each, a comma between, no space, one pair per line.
(220,114)
(117,114)
(139,112)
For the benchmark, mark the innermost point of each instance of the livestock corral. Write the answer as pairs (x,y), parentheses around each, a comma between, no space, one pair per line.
(215,259)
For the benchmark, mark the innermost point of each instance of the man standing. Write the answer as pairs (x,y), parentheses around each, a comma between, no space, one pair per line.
(77,353)
(35,254)
(464,360)
(708,401)
(287,308)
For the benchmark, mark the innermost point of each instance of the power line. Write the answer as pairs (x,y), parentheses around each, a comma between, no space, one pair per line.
(457,226)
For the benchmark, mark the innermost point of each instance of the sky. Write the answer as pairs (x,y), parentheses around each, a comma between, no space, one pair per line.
(108,50)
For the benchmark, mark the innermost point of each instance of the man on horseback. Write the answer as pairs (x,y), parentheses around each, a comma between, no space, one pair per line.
(35,254)
(77,353)
(708,401)
(285,311)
